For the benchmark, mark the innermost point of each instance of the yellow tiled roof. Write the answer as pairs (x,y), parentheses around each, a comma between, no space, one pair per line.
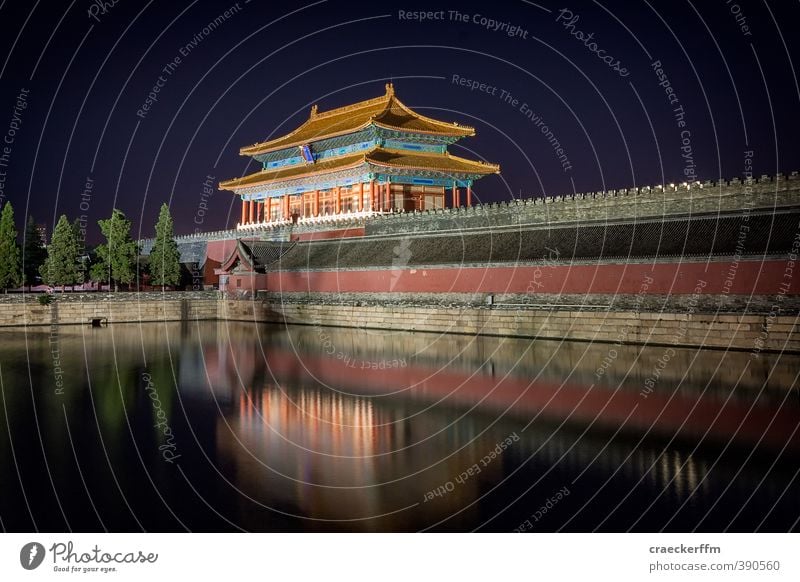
(428,161)
(444,163)
(385,111)
(299,171)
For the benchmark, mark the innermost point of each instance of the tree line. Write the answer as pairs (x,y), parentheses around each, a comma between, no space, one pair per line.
(65,262)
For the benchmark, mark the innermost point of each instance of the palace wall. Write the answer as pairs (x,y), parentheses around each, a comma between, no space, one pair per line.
(751,277)
(741,301)
(632,203)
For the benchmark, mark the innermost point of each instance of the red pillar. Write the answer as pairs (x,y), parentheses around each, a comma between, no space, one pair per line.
(244,211)
(455,193)
(316,202)
(360,196)
(387,205)
(286,207)
(372,195)
(469,195)
(338,209)
(269,209)
(251,212)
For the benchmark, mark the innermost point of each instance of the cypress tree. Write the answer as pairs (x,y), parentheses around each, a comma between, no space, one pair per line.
(61,266)
(10,271)
(33,252)
(80,237)
(165,266)
(118,254)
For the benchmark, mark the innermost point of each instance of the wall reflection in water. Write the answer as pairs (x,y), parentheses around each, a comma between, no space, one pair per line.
(348,425)
(311,428)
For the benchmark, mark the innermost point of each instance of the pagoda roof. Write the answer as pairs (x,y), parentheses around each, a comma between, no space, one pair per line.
(379,157)
(386,111)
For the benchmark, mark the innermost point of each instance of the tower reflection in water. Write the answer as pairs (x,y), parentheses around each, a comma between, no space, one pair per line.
(357,437)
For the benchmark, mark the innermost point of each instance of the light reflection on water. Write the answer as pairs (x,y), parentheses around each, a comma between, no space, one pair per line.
(331,429)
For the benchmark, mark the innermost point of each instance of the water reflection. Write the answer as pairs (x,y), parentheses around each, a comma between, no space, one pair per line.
(310,428)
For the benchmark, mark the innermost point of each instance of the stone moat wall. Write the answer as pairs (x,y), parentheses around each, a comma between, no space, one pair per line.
(125,309)
(747,332)
(681,326)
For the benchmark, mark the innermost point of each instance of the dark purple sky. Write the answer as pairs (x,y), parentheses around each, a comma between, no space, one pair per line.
(257,72)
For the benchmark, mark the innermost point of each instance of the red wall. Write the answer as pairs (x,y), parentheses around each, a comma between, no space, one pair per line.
(248,283)
(760,278)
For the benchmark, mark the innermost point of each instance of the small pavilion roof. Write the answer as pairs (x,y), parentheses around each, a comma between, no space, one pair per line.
(379,157)
(386,111)
(255,255)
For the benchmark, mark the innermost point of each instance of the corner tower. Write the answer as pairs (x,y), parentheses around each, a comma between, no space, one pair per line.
(367,158)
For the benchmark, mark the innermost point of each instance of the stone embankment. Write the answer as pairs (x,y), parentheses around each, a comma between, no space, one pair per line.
(683,325)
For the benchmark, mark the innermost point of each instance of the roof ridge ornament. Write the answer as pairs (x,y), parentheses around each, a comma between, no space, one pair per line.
(313,111)
(389,89)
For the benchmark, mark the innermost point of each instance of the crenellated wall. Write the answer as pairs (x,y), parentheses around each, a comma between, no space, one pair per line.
(697,198)
(626,203)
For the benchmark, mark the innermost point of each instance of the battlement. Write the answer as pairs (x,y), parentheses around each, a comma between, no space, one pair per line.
(625,203)
(735,186)
(277,231)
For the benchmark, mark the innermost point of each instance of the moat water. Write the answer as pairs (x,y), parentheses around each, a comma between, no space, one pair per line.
(218,426)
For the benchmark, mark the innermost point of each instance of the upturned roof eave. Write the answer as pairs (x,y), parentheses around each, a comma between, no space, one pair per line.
(257,151)
(457,131)
(235,183)
(365,159)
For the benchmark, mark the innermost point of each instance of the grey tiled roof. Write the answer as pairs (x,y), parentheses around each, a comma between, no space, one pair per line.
(265,253)
(758,234)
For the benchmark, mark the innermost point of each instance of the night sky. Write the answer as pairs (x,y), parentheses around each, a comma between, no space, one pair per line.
(85,70)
